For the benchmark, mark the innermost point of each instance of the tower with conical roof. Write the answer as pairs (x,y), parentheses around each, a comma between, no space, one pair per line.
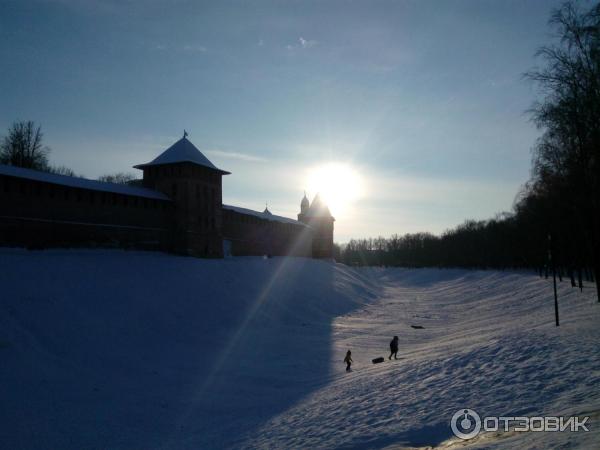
(318,216)
(195,185)
(304,205)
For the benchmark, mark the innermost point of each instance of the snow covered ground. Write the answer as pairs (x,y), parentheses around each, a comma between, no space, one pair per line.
(134,350)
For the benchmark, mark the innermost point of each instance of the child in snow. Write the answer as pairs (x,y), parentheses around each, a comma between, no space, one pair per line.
(348,360)
(394,348)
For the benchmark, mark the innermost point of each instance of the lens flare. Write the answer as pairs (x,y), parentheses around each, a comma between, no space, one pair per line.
(338,184)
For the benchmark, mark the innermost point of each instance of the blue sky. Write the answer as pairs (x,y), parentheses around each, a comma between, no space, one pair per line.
(425,99)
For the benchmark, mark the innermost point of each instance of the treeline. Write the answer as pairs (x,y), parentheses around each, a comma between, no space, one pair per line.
(500,243)
(476,244)
(556,217)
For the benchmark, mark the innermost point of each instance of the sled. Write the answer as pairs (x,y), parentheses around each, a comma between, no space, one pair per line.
(378,360)
(417,327)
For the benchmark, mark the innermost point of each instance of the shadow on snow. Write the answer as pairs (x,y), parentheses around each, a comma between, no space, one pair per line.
(134,350)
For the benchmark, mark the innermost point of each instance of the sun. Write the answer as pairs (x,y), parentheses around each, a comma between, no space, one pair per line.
(338,184)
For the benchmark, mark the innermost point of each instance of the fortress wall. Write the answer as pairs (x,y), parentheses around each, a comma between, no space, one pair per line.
(39,214)
(250,235)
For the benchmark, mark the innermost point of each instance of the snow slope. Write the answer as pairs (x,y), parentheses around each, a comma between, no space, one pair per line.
(114,349)
(489,343)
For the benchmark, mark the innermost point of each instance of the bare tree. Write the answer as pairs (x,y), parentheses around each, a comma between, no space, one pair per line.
(62,170)
(23,147)
(567,156)
(118,178)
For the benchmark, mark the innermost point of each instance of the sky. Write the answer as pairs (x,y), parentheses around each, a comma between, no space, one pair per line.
(424,101)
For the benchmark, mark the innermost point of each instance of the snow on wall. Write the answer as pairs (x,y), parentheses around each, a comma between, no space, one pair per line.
(82,183)
(263,215)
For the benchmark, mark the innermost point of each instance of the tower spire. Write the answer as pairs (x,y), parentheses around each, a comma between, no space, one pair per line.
(304,204)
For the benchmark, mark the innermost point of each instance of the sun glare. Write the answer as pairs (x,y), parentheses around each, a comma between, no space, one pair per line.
(338,184)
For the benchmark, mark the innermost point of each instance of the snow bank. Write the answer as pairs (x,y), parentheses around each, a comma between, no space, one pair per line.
(488,343)
(116,349)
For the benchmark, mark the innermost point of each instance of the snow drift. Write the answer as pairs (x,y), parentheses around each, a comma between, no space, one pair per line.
(114,349)
(133,350)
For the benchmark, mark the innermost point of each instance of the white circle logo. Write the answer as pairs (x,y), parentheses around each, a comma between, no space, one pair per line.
(465,424)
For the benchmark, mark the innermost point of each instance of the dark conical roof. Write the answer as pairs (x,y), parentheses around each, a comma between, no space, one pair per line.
(304,203)
(182,151)
(318,208)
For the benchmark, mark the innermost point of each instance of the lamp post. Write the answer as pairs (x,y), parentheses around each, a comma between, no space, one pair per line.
(551,260)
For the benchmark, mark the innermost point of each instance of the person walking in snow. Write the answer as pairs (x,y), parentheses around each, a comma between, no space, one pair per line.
(394,348)
(348,360)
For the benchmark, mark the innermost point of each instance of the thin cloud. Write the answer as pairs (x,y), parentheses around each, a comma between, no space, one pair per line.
(302,43)
(305,43)
(194,48)
(236,155)
(186,48)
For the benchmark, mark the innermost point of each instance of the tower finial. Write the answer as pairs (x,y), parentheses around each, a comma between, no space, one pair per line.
(185,133)
(266,211)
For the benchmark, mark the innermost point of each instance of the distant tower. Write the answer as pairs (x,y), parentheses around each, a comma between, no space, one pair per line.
(318,216)
(194,184)
(304,205)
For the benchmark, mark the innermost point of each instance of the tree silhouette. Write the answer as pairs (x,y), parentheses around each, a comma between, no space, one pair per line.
(567,157)
(23,147)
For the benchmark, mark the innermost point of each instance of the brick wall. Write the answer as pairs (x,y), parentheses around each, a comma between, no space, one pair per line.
(252,235)
(39,214)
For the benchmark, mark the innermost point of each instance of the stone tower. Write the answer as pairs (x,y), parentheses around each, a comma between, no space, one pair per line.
(318,216)
(304,205)
(194,184)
